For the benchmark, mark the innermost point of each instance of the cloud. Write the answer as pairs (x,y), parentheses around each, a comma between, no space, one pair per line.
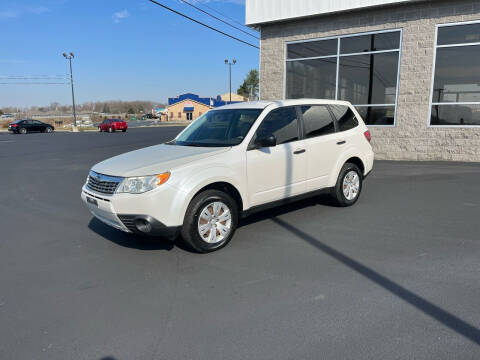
(120,15)
(37,10)
(14,13)
(8,14)
(12,61)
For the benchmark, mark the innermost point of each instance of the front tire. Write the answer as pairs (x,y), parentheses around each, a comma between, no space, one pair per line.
(99,129)
(124,130)
(110,130)
(210,221)
(49,130)
(349,185)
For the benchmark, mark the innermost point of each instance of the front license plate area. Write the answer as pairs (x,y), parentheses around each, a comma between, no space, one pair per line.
(92,201)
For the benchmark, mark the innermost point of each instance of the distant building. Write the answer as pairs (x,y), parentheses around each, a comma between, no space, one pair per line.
(191,106)
(235,97)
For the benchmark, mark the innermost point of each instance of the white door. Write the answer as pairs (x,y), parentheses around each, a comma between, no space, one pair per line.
(321,145)
(277,172)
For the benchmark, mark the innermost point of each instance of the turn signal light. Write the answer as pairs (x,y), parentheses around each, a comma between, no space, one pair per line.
(163,178)
(368,136)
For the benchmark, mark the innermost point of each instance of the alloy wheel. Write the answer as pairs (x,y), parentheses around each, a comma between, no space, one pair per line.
(351,185)
(215,222)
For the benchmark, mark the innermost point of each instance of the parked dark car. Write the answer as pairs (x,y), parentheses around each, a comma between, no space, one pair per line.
(112,125)
(24,126)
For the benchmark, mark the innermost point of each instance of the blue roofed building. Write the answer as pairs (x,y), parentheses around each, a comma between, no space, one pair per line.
(191,106)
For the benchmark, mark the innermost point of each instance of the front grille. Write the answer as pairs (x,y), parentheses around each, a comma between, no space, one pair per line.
(128,221)
(102,183)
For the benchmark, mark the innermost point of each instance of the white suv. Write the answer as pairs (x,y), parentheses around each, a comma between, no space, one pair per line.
(229,162)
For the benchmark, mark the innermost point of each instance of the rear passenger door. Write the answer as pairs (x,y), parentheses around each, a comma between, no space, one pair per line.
(321,144)
(347,137)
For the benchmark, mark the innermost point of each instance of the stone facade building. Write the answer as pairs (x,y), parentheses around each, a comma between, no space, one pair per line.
(412,68)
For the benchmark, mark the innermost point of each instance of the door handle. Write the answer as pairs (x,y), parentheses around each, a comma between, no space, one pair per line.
(341,142)
(299,151)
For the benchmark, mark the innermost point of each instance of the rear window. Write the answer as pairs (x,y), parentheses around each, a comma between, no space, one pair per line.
(346,119)
(17,122)
(116,120)
(317,121)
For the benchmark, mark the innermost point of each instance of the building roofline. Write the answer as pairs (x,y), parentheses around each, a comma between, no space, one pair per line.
(329,13)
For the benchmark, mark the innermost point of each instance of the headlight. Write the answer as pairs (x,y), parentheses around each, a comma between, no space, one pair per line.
(141,184)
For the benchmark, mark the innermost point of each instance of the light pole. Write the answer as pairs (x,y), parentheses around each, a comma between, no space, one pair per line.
(227,62)
(69,57)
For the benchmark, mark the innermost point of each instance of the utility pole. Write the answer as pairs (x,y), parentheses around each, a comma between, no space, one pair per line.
(69,57)
(227,62)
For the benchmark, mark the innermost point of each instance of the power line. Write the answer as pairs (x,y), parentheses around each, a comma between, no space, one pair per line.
(34,83)
(225,16)
(217,18)
(200,23)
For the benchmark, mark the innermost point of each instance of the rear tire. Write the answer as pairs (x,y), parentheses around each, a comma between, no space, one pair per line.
(210,221)
(349,185)
(22,131)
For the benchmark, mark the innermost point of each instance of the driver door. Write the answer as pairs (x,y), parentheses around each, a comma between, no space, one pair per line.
(277,172)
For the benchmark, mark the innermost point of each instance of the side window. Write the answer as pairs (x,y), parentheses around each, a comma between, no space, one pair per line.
(345,117)
(282,123)
(317,121)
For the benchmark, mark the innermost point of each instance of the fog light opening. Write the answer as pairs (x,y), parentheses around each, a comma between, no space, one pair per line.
(143,225)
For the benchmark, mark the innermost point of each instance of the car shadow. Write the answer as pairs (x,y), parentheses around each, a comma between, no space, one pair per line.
(319,200)
(449,320)
(132,241)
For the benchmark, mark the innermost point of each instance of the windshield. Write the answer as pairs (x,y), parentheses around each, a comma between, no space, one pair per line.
(219,128)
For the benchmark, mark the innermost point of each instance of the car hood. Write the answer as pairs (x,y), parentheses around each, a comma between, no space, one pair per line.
(154,160)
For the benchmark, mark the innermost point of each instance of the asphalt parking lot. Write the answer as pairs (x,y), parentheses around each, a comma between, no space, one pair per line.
(397,276)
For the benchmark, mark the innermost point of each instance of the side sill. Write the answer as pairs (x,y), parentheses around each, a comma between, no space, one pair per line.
(281,202)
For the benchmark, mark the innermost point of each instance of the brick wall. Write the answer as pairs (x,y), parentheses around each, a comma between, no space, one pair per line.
(411,139)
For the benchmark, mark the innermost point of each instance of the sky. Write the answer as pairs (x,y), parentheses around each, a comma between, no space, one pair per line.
(124,50)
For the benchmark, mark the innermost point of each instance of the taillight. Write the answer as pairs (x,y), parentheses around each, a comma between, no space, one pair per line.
(13,125)
(368,136)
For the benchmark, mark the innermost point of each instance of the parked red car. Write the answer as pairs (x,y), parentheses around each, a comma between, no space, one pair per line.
(112,125)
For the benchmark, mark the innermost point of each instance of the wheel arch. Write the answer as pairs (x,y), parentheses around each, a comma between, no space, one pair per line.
(348,158)
(225,187)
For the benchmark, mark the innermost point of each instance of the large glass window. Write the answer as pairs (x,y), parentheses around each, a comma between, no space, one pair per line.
(362,69)
(317,78)
(456,82)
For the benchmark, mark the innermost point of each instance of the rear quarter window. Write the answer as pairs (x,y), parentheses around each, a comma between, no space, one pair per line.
(346,119)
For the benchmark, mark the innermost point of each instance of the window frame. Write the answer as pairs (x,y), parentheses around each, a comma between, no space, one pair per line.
(435,47)
(339,55)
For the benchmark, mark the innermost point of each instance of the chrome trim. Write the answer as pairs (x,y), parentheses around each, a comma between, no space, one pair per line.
(103,184)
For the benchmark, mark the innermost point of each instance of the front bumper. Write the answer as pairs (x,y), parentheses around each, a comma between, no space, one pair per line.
(114,213)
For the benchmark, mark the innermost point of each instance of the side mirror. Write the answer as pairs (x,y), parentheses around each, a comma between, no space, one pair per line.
(269,141)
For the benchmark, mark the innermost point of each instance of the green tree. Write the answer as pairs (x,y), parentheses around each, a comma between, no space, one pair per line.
(1,112)
(131,110)
(249,88)
(106,109)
